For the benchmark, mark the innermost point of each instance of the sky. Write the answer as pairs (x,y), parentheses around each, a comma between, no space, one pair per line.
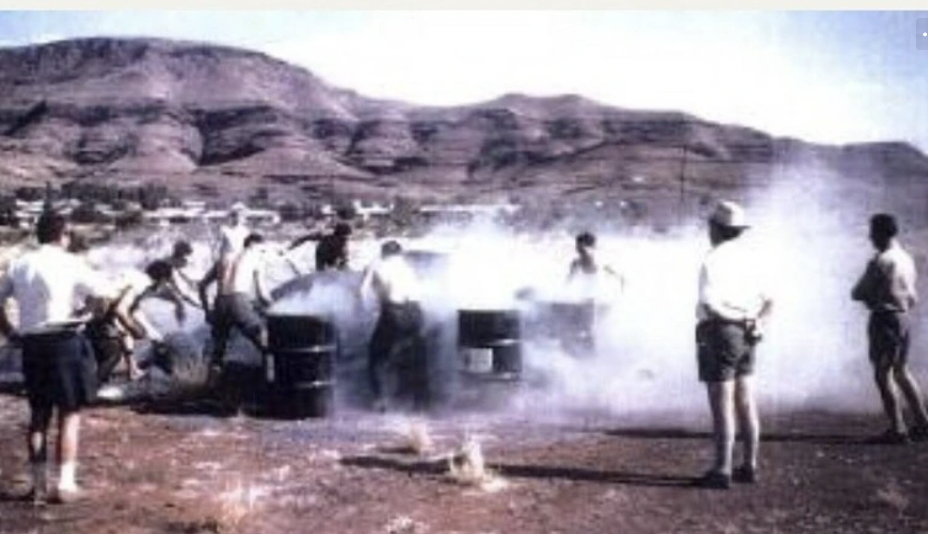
(829,77)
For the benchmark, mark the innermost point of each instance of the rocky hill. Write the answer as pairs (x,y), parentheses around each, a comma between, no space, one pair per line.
(218,121)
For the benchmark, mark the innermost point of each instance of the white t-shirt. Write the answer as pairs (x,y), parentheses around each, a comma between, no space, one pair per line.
(393,280)
(733,283)
(47,282)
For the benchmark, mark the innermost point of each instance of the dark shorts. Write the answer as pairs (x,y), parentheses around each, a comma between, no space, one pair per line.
(724,351)
(397,323)
(236,310)
(59,371)
(889,338)
(397,340)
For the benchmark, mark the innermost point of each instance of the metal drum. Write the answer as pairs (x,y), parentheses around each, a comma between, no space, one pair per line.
(490,344)
(299,367)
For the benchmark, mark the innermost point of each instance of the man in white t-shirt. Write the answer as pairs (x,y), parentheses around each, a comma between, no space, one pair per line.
(734,303)
(58,363)
(399,325)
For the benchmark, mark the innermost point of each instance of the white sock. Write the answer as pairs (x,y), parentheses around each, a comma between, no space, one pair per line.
(39,476)
(67,479)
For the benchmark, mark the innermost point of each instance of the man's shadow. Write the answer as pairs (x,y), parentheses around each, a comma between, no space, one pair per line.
(769,437)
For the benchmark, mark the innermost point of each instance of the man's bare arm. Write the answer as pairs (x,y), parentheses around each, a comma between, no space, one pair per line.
(6,327)
(211,276)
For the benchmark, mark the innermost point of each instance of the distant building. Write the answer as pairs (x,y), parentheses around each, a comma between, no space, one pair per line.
(367,211)
(196,211)
(471,209)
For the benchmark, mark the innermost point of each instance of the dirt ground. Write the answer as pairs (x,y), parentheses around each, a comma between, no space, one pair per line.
(173,467)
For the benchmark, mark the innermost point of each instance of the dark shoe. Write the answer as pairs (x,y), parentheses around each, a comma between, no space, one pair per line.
(919,433)
(713,480)
(34,497)
(745,474)
(890,437)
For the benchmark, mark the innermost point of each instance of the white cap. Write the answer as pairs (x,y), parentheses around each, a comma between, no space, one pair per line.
(730,214)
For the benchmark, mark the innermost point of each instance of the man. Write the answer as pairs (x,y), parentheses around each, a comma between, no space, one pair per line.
(332,250)
(168,281)
(239,283)
(179,260)
(112,332)
(113,325)
(887,289)
(58,365)
(399,325)
(587,280)
(586,266)
(232,236)
(732,308)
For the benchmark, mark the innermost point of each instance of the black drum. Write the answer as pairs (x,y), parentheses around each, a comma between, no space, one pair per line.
(299,367)
(295,330)
(489,343)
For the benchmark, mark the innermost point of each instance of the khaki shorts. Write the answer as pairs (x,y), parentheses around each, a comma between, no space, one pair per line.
(724,351)
(889,338)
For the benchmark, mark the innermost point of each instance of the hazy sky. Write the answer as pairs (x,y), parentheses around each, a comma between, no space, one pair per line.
(820,76)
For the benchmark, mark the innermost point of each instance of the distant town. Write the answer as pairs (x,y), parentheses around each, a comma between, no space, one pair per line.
(152,206)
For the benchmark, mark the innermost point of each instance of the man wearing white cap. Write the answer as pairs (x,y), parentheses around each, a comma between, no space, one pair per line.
(732,308)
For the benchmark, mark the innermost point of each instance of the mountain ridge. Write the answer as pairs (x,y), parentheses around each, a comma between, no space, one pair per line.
(220,119)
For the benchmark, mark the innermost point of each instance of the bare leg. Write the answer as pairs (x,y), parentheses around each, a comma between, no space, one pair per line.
(913,395)
(37,442)
(749,420)
(721,402)
(887,387)
(38,435)
(69,425)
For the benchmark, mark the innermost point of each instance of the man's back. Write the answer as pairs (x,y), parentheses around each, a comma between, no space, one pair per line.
(393,280)
(47,284)
(733,283)
(332,252)
(239,276)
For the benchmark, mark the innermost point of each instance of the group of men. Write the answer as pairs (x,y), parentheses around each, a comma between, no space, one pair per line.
(76,325)
(734,305)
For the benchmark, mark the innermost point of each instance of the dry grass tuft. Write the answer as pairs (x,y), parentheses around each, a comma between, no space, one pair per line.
(468,467)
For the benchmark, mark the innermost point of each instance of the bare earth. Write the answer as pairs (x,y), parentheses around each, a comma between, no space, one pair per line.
(161,468)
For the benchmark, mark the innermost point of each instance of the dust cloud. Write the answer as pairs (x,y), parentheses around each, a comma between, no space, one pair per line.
(810,243)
